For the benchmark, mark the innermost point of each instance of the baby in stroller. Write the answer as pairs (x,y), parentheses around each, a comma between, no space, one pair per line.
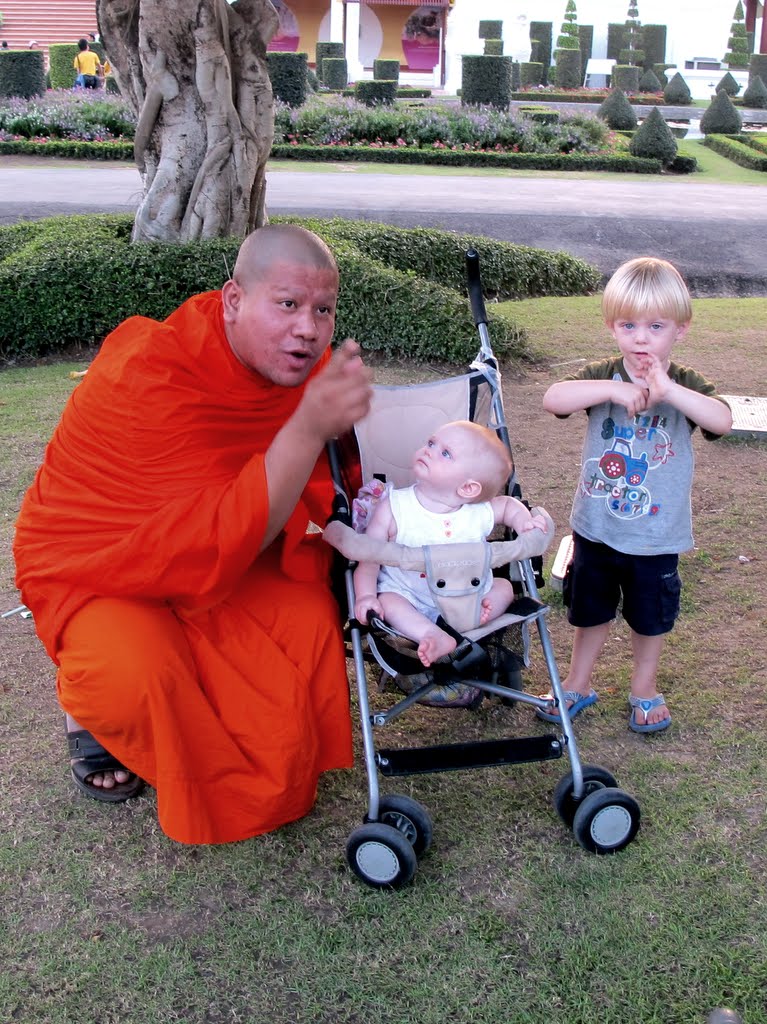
(458,473)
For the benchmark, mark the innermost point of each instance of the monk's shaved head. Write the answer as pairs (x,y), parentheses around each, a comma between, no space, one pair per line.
(280,243)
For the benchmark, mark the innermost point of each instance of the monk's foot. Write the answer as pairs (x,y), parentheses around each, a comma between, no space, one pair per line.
(436,644)
(95,771)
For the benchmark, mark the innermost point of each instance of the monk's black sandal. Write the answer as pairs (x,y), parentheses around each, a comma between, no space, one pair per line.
(91,757)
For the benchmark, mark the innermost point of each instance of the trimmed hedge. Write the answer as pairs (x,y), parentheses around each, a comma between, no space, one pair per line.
(625,77)
(540,51)
(649,82)
(739,152)
(95,278)
(335,72)
(758,66)
(586,96)
(530,73)
(386,70)
(471,158)
(654,45)
(490,29)
(288,75)
(22,73)
(322,50)
(374,93)
(494,47)
(728,84)
(586,40)
(486,79)
(568,68)
(69,148)
(616,34)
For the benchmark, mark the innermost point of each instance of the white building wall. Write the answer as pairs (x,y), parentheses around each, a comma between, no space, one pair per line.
(695,28)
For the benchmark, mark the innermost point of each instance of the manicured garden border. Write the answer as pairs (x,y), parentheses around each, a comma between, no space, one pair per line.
(740,150)
(593,96)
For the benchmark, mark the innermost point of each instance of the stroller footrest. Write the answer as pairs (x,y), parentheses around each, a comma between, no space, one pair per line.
(453,757)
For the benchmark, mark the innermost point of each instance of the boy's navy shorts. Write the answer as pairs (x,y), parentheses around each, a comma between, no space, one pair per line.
(599,575)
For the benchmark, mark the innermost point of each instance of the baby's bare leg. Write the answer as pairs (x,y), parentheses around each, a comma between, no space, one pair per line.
(496,600)
(432,641)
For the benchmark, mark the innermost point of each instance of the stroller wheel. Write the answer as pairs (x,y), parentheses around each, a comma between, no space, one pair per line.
(606,821)
(408,817)
(594,778)
(381,856)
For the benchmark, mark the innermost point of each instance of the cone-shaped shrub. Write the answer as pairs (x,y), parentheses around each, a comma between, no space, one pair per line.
(618,112)
(653,139)
(649,82)
(729,85)
(721,117)
(677,92)
(756,94)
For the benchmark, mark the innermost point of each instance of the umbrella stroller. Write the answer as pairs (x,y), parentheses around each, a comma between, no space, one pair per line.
(488,659)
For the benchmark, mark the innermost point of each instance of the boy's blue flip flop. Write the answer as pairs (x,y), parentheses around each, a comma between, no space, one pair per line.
(645,706)
(579,702)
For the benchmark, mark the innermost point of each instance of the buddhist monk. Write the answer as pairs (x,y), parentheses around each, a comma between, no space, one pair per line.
(166,552)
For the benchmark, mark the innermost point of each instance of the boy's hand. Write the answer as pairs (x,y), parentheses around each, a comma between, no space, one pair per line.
(633,397)
(659,383)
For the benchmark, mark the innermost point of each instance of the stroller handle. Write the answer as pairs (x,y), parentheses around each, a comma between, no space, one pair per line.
(475,287)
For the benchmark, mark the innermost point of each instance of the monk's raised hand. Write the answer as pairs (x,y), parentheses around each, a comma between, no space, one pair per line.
(341,394)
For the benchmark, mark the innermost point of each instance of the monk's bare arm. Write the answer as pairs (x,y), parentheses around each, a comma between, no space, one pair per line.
(332,403)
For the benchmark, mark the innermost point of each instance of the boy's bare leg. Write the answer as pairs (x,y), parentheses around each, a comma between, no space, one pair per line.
(644,677)
(432,641)
(496,600)
(587,646)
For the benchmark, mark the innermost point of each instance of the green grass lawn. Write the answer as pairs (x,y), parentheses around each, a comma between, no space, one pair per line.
(508,920)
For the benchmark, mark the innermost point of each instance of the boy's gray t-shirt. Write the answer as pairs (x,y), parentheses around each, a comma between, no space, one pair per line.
(634,491)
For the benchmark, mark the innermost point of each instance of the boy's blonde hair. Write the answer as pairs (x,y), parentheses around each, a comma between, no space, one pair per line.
(646,286)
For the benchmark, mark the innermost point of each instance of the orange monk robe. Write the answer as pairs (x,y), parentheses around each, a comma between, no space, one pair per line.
(213,672)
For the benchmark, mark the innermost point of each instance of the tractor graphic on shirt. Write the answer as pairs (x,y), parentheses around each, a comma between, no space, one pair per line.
(619,461)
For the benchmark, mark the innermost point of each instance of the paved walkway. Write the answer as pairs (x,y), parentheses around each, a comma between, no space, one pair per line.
(714,233)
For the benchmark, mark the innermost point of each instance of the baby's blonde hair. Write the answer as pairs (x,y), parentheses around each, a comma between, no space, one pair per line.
(493,458)
(646,286)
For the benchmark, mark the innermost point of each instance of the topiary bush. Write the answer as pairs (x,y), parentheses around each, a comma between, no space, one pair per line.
(335,72)
(625,77)
(729,85)
(756,94)
(70,280)
(490,29)
(386,70)
(649,82)
(22,73)
(287,73)
(61,63)
(616,33)
(654,45)
(758,66)
(486,80)
(323,50)
(677,92)
(568,70)
(540,52)
(618,112)
(494,47)
(586,44)
(739,50)
(653,138)
(660,71)
(530,73)
(374,93)
(721,117)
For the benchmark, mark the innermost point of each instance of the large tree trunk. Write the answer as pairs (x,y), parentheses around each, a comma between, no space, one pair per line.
(196,73)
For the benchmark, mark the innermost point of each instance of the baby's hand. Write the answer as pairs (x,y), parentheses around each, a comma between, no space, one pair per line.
(367,603)
(532,523)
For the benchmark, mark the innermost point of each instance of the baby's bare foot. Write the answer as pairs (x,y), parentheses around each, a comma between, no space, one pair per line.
(435,645)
